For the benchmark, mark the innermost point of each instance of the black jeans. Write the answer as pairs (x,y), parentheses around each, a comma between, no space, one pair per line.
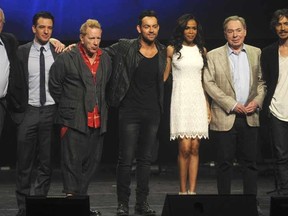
(279,132)
(240,142)
(137,136)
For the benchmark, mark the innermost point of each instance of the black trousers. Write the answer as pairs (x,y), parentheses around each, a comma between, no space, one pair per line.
(2,113)
(240,142)
(34,144)
(137,137)
(80,156)
(279,132)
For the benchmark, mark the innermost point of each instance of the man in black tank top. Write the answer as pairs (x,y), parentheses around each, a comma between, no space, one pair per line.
(136,87)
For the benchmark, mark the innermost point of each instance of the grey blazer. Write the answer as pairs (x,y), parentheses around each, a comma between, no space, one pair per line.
(72,87)
(218,84)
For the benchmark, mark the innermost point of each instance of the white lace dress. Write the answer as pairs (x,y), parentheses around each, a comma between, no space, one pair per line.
(188,117)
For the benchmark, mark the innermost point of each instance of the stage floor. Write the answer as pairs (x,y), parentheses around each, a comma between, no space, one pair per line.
(164,180)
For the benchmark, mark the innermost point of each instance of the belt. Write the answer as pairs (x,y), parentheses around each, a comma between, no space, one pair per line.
(52,106)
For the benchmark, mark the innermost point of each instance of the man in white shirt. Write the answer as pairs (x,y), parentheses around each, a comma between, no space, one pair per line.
(10,97)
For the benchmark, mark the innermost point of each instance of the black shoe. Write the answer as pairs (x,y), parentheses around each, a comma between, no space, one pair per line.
(95,213)
(122,210)
(144,209)
(21,212)
(260,213)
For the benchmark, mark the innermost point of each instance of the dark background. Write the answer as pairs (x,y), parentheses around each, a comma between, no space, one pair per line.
(119,19)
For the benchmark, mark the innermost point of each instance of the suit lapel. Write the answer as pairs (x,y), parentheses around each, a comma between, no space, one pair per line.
(52,48)
(226,66)
(7,45)
(81,67)
(274,60)
(250,57)
(99,74)
(26,52)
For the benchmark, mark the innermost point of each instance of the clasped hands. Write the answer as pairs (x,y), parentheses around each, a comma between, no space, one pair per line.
(250,108)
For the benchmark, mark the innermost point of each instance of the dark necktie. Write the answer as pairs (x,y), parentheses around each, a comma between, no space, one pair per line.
(42,78)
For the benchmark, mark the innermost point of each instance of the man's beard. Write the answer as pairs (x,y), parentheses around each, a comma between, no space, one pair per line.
(146,40)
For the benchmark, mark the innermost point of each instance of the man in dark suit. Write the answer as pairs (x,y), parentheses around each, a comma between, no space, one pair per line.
(77,83)
(12,92)
(35,127)
(274,62)
(233,79)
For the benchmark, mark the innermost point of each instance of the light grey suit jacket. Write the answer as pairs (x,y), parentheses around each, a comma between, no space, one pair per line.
(218,83)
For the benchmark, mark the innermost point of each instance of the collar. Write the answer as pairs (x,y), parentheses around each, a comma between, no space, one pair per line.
(38,46)
(230,51)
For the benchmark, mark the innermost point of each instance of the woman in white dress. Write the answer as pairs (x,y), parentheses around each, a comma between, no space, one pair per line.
(190,114)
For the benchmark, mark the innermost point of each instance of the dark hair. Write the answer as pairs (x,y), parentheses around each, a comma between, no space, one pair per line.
(178,35)
(277,15)
(42,14)
(149,13)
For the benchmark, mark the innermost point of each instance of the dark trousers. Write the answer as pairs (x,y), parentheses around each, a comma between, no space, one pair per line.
(240,142)
(137,136)
(2,113)
(80,156)
(279,132)
(34,144)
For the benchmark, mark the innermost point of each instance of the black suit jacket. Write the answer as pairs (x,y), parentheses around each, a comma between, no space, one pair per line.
(16,95)
(270,72)
(23,56)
